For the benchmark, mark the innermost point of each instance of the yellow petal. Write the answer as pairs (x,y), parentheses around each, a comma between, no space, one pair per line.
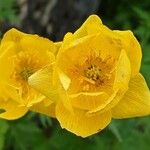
(32,98)
(61,92)
(13,35)
(64,97)
(98,45)
(64,79)
(105,106)
(42,81)
(7,49)
(136,101)
(57,45)
(66,41)
(123,72)
(70,41)
(14,49)
(9,92)
(43,109)
(88,101)
(106,44)
(38,43)
(90,26)
(11,110)
(121,82)
(132,48)
(23,42)
(79,124)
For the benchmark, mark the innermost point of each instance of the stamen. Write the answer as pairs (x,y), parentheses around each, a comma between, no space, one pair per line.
(93,72)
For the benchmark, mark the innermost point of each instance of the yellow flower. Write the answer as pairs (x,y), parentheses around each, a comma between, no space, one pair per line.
(97,77)
(20,56)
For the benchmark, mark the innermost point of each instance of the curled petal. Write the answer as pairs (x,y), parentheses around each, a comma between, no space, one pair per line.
(89,101)
(132,47)
(64,79)
(79,123)
(11,110)
(136,101)
(42,81)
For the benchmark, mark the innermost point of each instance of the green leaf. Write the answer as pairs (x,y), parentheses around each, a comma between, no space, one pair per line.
(45,120)
(7,10)
(3,129)
(113,128)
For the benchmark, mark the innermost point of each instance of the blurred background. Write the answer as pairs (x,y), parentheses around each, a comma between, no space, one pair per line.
(52,19)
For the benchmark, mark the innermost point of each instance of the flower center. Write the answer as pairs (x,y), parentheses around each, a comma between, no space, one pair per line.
(26,73)
(25,64)
(93,72)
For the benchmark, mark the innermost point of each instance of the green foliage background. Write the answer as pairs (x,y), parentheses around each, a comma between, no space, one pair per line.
(38,132)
